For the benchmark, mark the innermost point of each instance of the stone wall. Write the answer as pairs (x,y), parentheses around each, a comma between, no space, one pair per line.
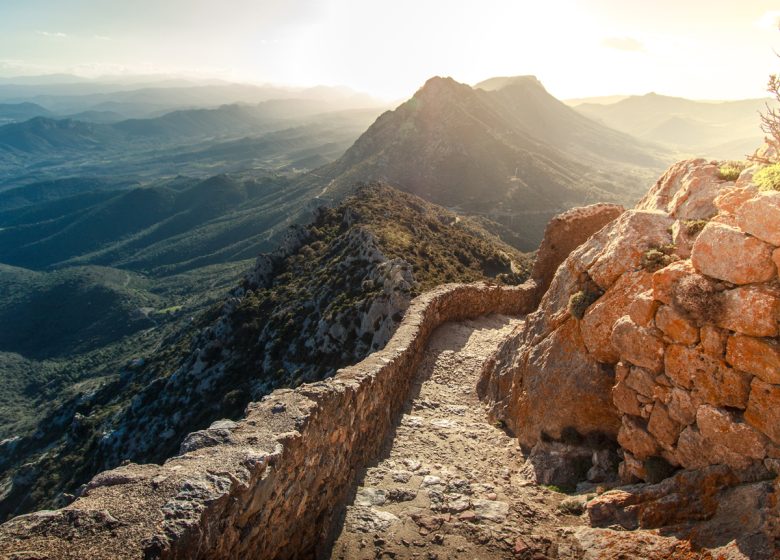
(703,387)
(661,331)
(270,485)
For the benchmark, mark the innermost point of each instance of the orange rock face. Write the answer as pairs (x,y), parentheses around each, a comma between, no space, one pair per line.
(763,411)
(758,356)
(760,217)
(664,279)
(751,310)
(710,378)
(638,345)
(632,234)
(713,340)
(596,325)
(675,326)
(720,427)
(731,199)
(726,253)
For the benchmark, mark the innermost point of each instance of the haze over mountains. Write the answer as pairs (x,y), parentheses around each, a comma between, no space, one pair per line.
(718,129)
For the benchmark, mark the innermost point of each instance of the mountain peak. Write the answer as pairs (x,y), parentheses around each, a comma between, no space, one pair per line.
(438,85)
(501,82)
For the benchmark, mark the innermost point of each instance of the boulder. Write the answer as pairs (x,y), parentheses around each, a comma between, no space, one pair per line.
(596,326)
(758,356)
(731,199)
(752,310)
(687,189)
(629,237)
(760,217)
(726,253)
(538,403)
(721,428)
(564,233)
(763,410)
(638,345)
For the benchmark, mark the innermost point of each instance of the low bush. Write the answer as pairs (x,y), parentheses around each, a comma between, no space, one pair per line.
(730,170)
(698,298)
(768,178)
(657,258)
(580,301)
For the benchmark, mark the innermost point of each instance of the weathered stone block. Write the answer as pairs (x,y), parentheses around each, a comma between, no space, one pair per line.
(675,326)
(638,345)
(758,356)
(763,410)
(726,253)
(751,310)
(760,217)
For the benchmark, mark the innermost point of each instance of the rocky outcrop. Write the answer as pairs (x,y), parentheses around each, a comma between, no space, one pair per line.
(264,487)
(676,358)
(672,353)
(564,233)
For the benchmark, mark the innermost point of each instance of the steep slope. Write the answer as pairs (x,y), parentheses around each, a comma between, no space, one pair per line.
(727,129)
(333,292)
(515,155)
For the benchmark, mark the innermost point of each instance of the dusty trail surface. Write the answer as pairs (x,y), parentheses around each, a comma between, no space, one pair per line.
(449,484)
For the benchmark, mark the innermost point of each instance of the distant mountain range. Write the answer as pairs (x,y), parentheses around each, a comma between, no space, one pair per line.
(717,129)
(143,98)
(505,149)
(49,136)
(172,226)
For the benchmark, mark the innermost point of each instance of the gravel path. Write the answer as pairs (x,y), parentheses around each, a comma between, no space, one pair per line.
(450,485)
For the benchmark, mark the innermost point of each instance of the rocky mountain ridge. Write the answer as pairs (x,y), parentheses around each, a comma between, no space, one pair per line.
(331,293)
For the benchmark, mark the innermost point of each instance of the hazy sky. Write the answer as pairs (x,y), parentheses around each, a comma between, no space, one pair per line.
(692,48)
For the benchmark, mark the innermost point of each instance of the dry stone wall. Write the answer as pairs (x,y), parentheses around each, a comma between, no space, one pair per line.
(269,485)
(675,352)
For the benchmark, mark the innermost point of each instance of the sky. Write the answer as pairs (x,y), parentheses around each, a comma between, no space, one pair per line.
(713,49)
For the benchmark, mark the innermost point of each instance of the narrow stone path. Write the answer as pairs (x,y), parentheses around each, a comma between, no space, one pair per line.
(450,485)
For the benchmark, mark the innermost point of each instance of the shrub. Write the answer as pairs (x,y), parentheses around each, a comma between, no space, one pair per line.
(657,258)
(768,178)
(694,227)
(572,506)
(698,298)
(770,122)
(580,301)
(730,170)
